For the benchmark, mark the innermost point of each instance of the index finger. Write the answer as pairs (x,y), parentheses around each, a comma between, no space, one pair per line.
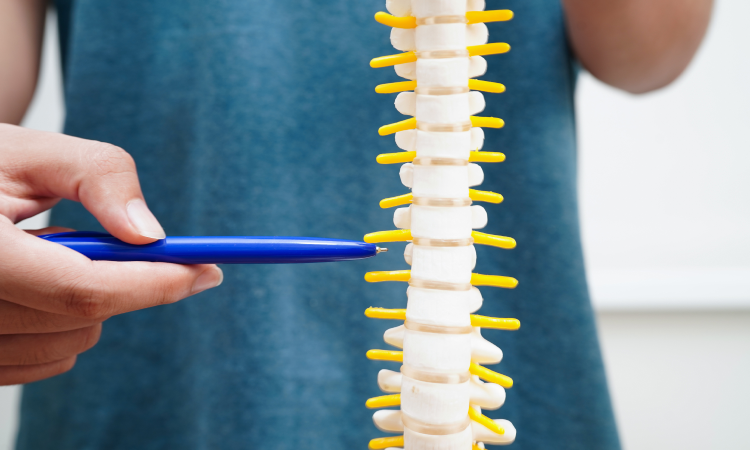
(103,177)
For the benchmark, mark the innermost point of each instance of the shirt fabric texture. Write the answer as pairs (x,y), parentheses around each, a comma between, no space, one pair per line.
(260,118)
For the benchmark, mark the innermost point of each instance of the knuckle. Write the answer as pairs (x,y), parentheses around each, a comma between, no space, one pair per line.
(167,294)
(88,307)
(166,290)
(82,299)
(110,159)
(174,291)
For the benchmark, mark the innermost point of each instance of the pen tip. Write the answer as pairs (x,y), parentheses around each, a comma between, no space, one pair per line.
(381,250)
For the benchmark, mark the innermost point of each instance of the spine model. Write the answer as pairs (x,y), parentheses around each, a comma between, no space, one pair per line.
(441,387)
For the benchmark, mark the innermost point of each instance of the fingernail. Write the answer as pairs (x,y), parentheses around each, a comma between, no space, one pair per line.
(210,278)
(143,220)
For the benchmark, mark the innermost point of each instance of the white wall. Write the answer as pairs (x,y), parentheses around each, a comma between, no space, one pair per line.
(9,396)
(679,380)
(665,191)
(665,200)
(665,207)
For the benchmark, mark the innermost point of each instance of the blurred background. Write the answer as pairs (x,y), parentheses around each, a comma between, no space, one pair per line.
(665,204)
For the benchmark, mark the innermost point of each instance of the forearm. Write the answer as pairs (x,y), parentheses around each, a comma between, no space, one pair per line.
(636,45)
(21,31)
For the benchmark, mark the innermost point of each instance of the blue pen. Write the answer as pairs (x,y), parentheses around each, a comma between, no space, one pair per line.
(216,249)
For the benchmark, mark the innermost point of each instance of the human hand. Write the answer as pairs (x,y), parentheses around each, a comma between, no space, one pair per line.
(53,300)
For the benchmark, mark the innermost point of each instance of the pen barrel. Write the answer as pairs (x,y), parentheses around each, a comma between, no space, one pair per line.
(221,249)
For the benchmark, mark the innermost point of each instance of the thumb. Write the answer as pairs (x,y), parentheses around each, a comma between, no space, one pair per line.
(101,176)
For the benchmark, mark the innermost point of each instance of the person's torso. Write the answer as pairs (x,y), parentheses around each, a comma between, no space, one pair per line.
(260,118)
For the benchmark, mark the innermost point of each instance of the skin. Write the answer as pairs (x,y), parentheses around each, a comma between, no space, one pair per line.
(636,45)
(21,32)
(53,300)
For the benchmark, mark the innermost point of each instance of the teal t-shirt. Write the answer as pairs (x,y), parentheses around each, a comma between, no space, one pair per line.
(250,117)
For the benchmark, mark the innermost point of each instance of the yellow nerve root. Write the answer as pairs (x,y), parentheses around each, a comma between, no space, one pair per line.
(489,157)
(485,196)
(497,323)
(388,236)
(385,442)
(393,275)
(500,15)
(396,22)
(491,239)
(486,86)
(408,124)
(478,196)
(384,401)
(405,157)
(484,420)
(487,375)
(387,355)
(396,158)
(384,313)
(493,280)
(484,49)
(485,122)
(392,88)
(401,58)
(396,201)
